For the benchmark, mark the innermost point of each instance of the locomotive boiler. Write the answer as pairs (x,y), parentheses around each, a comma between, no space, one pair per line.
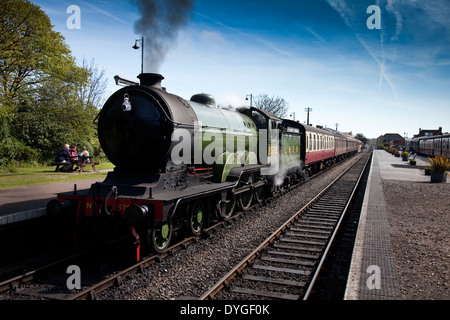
(138,125)
(183,164)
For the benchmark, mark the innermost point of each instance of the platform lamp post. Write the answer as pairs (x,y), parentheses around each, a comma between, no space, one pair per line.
(405,134)
(142,51)
(308,110)
(251,97)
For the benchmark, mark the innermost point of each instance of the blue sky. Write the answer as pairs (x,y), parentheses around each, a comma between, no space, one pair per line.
(318,54)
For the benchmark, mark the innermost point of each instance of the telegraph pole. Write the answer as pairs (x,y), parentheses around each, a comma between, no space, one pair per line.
(307,117)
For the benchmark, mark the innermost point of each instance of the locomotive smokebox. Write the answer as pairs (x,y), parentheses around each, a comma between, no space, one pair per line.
(151,80)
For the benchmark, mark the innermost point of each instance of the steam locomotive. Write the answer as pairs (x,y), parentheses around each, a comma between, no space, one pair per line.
(183,164)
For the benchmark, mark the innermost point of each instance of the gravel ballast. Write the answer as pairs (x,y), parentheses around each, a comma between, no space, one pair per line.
(418,221)
(418,214)
(190,272)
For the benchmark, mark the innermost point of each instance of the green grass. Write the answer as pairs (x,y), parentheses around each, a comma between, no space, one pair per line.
(35,175)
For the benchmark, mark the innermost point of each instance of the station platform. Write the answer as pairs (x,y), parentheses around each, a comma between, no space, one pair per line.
(23,203)
(373,274)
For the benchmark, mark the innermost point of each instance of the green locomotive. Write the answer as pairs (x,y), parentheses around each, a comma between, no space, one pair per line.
(179,164)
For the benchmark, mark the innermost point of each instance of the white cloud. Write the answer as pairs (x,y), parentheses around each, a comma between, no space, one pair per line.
(103,12)
(214,37)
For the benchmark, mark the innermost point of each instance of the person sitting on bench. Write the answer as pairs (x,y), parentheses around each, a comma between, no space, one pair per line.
(85,153)
(63,156)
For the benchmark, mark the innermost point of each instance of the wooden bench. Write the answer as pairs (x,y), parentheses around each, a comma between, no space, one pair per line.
(79,162)
(60,164)
(82,162)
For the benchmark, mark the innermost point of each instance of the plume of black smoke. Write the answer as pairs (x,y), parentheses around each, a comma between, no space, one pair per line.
(159,24)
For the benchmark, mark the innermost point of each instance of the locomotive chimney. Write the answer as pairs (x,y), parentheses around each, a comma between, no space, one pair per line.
(151,80)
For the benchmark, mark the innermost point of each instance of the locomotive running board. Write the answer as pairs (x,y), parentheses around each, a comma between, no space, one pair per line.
(194,191)
(200,191)
(236,172)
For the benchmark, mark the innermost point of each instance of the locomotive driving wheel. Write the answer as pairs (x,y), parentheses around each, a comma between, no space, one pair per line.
(161,235)
(196,217)
(260,192)
(226,211)
(245,198)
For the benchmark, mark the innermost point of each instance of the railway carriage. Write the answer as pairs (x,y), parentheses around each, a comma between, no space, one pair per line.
(431,146)
(183,164)
(320,147)
(340,145)
(353,144)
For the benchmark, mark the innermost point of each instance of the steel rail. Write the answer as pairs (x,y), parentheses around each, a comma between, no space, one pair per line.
(330,242)
(92,291)
(11,284)
(226,279)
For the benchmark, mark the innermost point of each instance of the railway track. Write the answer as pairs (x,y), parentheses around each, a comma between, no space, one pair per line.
(51,280)
(287,264)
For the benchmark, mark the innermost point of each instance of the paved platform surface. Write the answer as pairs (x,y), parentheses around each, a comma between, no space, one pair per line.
(373,274)
(24,203)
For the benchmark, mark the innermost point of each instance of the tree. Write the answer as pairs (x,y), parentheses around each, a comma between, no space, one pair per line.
(276,105)
(73,107)
(46,99)
(361,138)
(31,52)
(40,130)
(91,93)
